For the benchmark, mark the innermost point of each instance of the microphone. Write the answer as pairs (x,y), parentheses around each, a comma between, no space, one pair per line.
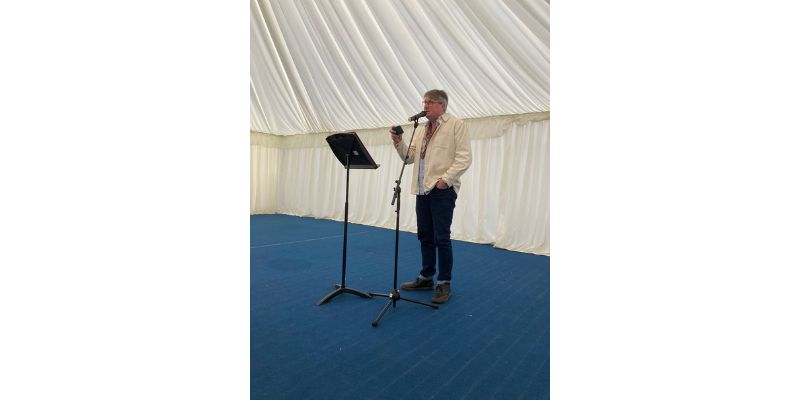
(417,116)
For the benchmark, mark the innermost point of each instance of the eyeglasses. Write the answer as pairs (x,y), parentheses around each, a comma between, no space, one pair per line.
(426,102)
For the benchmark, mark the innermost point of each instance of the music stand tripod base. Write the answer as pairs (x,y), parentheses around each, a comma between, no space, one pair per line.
(339,290)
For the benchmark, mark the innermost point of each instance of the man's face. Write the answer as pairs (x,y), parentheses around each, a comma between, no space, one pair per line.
(434,110)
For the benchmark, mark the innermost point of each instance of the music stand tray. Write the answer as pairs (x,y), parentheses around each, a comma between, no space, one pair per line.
(352,154)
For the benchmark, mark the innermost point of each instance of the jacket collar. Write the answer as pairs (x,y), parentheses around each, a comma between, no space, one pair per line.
(442,119)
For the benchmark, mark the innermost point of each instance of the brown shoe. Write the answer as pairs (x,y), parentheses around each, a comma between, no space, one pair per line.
(442,293)
(418,284)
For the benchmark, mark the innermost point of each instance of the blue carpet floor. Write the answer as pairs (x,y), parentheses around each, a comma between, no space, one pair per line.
(490,341)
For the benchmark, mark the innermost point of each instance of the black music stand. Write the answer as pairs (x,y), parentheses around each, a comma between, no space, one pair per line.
(353,155)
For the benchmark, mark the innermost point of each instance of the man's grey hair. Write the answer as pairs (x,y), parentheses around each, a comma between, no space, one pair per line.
(439,96)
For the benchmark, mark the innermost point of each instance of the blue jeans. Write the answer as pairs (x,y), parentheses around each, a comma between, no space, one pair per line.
(434,217)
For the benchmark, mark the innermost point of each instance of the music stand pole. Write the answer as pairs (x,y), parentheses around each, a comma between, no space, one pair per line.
(339,289)
(395,294)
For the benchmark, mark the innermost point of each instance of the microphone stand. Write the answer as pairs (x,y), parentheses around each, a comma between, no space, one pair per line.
(395,294)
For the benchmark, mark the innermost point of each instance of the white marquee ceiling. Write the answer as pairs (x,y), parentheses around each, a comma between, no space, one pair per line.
(334,65)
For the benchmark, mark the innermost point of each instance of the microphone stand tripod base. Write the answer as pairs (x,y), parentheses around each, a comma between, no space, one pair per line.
(393,297)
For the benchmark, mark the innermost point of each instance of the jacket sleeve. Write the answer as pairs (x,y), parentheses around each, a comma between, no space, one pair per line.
(463,157)
(401,148)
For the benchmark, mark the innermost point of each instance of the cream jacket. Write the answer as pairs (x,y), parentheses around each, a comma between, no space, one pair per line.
(447,157)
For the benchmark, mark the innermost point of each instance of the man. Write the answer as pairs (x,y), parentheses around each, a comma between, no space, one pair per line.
(440,156)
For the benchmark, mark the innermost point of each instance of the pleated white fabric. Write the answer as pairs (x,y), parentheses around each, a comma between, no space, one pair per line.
(320,67)
(338,65)
(504,196)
